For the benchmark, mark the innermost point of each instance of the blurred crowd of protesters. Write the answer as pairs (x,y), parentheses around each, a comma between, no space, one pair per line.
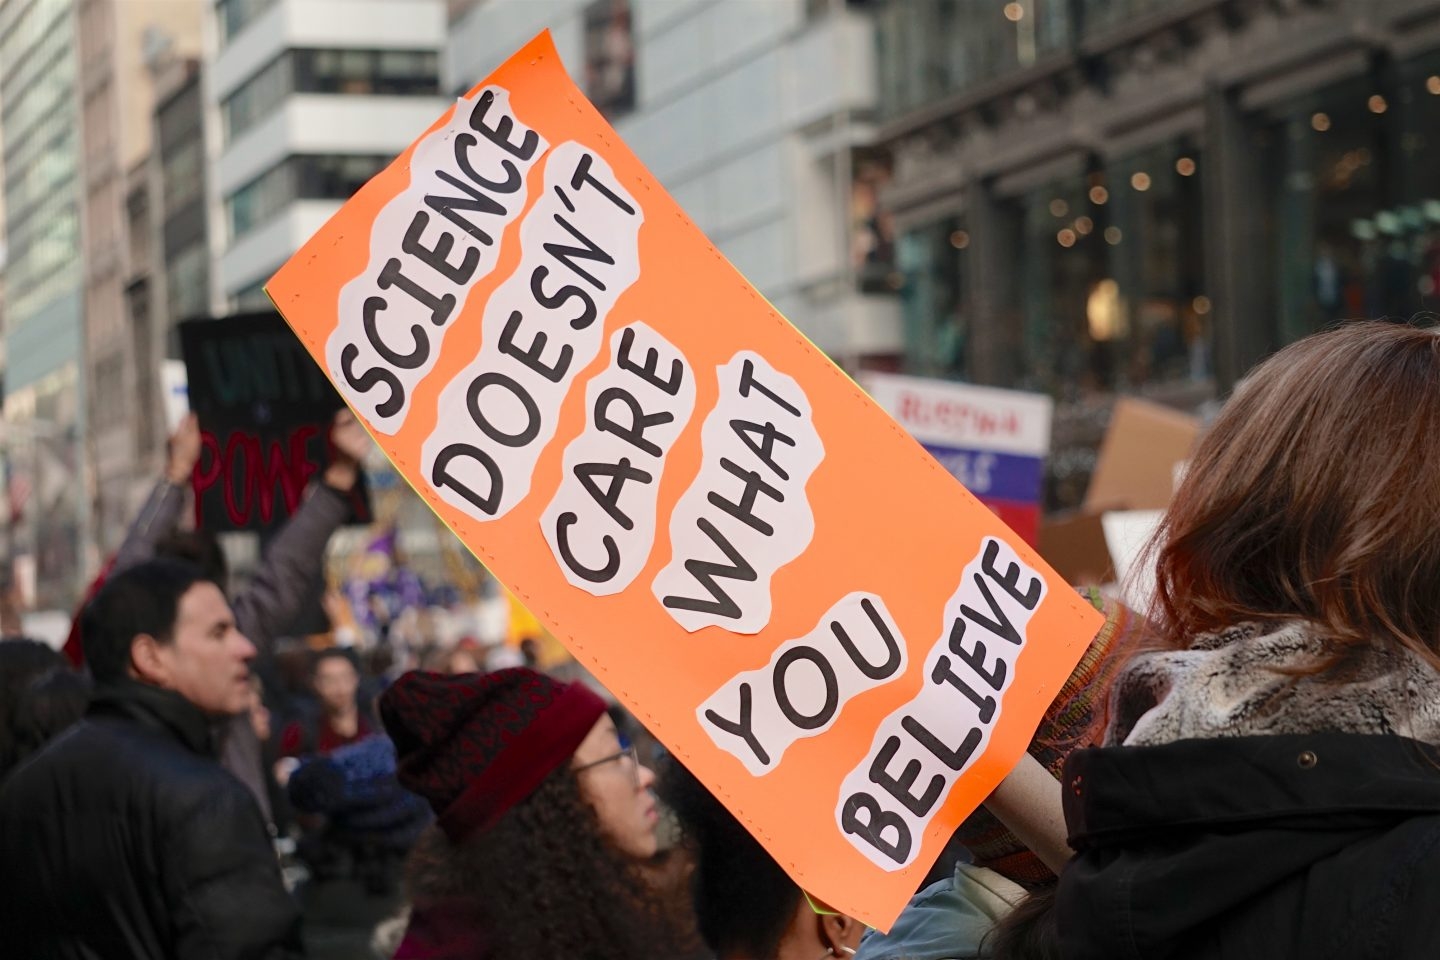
(1249,768)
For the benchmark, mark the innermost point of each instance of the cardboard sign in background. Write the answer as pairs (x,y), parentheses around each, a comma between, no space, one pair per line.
(265,412)
(704,508)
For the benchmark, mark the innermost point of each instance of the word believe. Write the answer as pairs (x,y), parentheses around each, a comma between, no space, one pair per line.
(579,251)
(601,523)
(759,714)
(921,749)
(746,514)
(470,174)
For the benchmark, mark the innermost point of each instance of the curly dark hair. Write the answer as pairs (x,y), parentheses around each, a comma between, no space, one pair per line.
(544,882)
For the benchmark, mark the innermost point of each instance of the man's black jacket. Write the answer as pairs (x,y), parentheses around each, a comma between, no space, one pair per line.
(1314,846)
(126,839)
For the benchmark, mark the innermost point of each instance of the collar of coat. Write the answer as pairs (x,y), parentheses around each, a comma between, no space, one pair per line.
(157,708)
(1252,681)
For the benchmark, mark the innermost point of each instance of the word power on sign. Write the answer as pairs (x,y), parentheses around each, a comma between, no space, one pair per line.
(601,524)
(921,749)
(469,174)
(543,325)
(758,715)
(746,514)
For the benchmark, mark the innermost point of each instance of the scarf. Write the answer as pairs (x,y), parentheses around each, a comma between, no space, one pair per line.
(1243,682)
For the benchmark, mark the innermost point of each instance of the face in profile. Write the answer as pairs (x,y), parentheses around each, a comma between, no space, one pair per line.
(617,786)
(208,659)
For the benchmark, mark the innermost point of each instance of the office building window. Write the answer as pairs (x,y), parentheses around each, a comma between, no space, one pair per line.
(378,72)
(306,177)
(233,16)
(931,261)
(929,49)
(610,57)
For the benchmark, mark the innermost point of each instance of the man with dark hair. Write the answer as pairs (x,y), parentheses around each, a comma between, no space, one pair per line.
(125,837)
(275,597)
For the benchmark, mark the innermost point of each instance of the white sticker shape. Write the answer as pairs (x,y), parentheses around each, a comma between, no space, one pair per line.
(601,524)
(579,248)
(746,515)
(922,749)
(429,245)
(759,714)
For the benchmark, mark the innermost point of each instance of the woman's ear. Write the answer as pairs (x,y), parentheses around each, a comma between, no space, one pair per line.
(841,934)
(148,662)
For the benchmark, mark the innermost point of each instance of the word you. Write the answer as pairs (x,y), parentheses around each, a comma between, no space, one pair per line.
(759,714)
(921,749)
(746,514)
(601,523)
(579,251)
(429,246)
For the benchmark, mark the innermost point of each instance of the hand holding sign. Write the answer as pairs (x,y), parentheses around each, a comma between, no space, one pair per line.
(846,647)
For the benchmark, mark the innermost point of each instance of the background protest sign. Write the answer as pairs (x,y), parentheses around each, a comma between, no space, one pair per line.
(848,648)
(993,441)
(265,412)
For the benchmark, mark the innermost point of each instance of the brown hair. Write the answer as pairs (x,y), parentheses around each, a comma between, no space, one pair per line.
(1315,496)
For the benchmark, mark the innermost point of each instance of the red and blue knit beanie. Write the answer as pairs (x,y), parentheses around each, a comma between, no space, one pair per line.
(475,745)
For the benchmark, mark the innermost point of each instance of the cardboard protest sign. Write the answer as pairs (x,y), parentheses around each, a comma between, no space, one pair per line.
(993,441)
(791,593)
(265,414)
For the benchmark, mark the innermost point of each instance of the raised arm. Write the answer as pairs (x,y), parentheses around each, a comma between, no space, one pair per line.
(160,516)
(295,560)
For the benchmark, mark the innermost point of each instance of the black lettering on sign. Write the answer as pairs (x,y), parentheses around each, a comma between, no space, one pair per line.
(541,326)
(393,316)
(805,685)
(936,737)
(764,523)
(608,489)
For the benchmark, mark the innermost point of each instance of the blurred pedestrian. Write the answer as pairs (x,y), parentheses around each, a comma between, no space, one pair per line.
(544,816)
(40,696)
(335,678)
(125,837)
(1269,784)
(269,605)
(746,906)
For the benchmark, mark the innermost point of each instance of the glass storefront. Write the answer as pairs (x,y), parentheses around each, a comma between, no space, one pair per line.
(1354,221)
(931,262)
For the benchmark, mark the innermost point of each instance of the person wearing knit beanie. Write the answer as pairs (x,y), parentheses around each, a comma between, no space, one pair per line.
(543,816)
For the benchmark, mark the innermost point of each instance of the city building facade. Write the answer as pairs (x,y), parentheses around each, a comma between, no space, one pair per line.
(44,408)
(1094,197)
(305,101)
(755,117)
(119,44)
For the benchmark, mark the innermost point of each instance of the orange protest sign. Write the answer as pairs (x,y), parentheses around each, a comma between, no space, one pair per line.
(787,589)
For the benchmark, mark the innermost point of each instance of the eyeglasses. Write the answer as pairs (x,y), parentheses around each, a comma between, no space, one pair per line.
(627,753)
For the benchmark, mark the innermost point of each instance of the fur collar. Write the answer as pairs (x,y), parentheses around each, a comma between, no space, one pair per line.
(1242,682)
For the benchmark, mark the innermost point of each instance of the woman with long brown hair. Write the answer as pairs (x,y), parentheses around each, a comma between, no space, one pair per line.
(1269,784)
(543,819)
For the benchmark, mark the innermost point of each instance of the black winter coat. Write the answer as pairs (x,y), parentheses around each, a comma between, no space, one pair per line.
(126,839)
(1310,846)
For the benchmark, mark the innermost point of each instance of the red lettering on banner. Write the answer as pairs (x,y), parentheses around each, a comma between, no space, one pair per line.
(248,473)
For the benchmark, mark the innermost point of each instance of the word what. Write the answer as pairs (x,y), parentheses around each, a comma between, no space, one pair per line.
(746,514)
